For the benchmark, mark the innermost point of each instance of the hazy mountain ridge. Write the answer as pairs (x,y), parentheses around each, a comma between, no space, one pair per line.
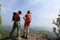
(32,30)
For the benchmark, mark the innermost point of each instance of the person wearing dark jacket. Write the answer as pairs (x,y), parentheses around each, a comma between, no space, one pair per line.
(16,19)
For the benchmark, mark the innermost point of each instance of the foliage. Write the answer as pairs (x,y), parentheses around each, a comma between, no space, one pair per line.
(43,33)
(54,29)
(4,34)
(0,20)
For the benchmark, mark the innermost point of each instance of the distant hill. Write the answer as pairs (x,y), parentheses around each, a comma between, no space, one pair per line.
(5,30)
(32,30)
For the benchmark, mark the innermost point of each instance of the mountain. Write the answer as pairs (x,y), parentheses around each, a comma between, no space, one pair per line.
(34,30)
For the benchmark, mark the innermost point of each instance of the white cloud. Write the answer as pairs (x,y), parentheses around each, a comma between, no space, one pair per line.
(11,3)
(7,8)
(31,3)
(34,2)
(4,10)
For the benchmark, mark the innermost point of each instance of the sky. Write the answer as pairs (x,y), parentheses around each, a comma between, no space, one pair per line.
(43,11)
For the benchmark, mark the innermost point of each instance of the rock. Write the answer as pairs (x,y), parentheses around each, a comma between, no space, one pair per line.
(31,37)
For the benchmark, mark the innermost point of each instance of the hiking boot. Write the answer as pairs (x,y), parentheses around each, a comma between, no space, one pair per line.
(25,37)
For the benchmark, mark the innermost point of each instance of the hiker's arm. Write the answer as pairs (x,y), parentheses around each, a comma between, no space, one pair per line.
(24,17)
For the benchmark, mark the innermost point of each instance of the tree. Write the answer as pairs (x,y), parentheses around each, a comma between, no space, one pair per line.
(0,16)
(54,29)
(0,20)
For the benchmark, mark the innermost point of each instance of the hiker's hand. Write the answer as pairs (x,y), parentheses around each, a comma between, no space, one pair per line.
(24,18)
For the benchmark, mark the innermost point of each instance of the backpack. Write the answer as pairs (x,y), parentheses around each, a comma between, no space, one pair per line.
(15,17)
(28,17)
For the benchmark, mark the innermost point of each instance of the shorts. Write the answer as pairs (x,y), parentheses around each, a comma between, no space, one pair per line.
(26,24)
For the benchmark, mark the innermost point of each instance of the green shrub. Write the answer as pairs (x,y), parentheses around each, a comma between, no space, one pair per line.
(0,20)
